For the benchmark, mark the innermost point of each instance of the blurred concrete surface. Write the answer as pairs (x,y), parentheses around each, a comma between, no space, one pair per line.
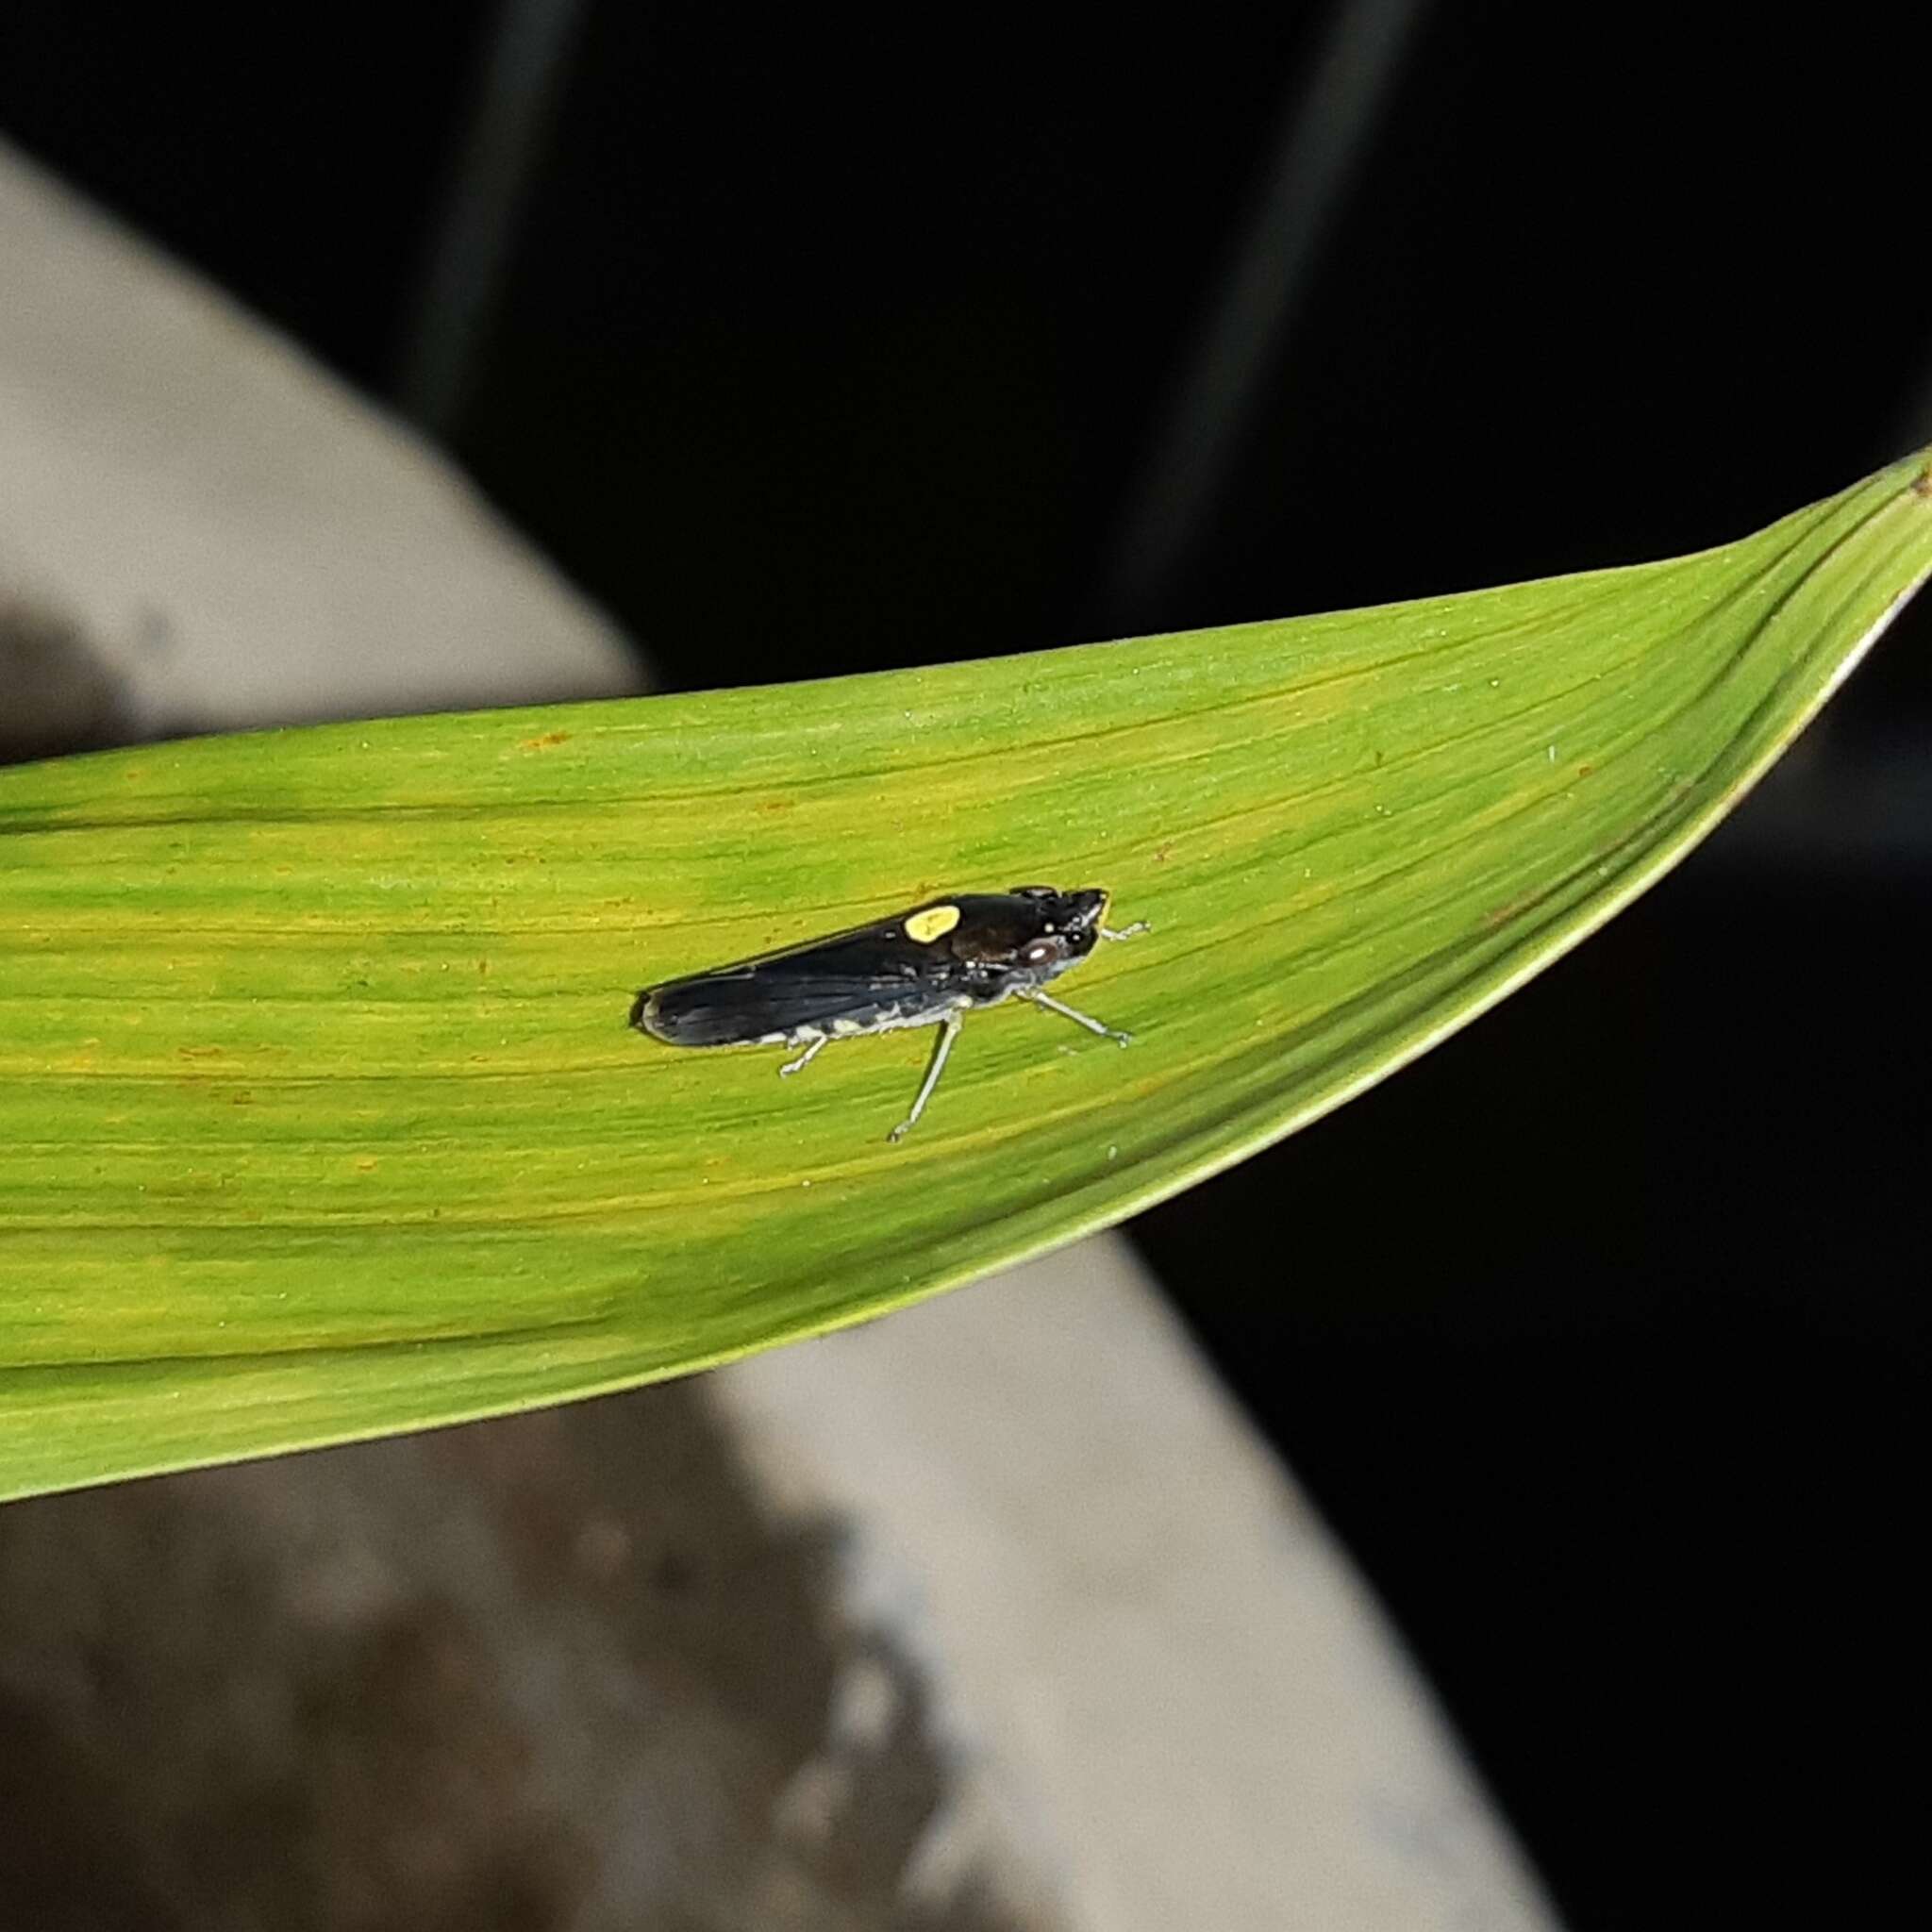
(241,541)
(992,1615)
(1153,1664)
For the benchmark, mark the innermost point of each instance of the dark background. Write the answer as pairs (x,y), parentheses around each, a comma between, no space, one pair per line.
(811,343)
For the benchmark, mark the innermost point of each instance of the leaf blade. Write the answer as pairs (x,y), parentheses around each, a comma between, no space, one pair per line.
(324,1119)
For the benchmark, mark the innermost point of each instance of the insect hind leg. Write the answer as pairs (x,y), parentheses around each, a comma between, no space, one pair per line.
(805,1059)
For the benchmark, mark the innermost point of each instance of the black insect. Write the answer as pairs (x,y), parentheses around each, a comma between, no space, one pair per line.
(922,968)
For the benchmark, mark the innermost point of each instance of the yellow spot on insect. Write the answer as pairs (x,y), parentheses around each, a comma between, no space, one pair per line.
(935,922)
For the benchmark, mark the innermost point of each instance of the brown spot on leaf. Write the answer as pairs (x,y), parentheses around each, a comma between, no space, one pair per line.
(545,740)
(1514,908)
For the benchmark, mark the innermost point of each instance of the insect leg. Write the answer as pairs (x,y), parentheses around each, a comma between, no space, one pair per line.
(1126,932)
(1092,1026)
(804,1058)
(949,1031)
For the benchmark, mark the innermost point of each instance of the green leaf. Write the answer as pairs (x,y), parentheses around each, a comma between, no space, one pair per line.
(318,1111)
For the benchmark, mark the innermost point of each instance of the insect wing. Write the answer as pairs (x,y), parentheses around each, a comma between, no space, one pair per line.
(861,976)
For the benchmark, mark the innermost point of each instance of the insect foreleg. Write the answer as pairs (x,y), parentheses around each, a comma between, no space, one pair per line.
(1086,1019)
